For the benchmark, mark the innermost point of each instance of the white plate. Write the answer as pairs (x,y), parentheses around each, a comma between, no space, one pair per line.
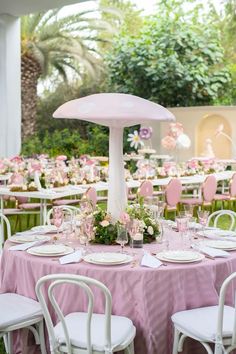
(217,233)
(106,260)
(108,257)
(34,252)
(220,244)
(180,256)
(29,238)
(46,229)
(49,249)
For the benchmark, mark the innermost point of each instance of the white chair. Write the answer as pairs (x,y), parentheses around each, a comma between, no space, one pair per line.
(84,332)
(217,215)
(4,219)
(18,312)
(208,325)
(68,208)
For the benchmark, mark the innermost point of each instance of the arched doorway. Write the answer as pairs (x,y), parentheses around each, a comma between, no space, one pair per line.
(207,129)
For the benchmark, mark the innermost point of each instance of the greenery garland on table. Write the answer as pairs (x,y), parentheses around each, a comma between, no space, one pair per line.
(105,230)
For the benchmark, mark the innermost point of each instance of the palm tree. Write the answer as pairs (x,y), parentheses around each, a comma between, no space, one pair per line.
(56,45)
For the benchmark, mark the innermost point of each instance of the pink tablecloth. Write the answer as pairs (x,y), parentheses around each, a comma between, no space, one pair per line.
(147,296)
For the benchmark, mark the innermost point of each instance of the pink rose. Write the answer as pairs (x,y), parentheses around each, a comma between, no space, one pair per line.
(124,218)
(61,158)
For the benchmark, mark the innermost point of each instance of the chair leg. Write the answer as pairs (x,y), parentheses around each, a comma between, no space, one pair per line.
(176,341)
(129,349)
(9,343)
(41,338)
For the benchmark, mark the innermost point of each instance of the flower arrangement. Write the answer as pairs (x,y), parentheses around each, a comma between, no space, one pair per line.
(105,230)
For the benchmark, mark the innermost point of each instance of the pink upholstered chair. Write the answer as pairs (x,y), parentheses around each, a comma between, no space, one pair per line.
(91,195)
(146,189)
(231,196)
(208,192)
(172,195)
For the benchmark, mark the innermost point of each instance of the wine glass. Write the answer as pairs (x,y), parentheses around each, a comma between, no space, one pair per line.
(182,226)
(133,229)
(203,218)
(122,236)
(57,220)
(87,231)
(188,209)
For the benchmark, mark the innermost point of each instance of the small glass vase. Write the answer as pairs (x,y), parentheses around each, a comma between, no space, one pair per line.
(137,240)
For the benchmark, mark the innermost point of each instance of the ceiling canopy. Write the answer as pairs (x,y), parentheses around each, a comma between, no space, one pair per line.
(24,7)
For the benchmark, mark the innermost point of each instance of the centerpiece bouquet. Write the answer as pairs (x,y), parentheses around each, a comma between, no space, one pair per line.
(105,229)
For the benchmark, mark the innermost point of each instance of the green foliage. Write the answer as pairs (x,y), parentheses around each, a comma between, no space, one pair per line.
(173,61)
(58,42)
(67,142)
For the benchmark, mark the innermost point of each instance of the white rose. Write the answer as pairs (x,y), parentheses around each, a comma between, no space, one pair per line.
(104,223)
(150,230)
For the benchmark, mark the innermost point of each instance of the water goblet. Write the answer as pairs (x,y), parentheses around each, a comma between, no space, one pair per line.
(87,231)
(203,218)
(122,236)
(57,221)
(188,209)
(182,226)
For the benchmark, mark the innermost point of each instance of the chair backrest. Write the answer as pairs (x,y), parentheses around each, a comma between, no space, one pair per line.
(219,329)
(209,187)
(215,217)
(173,192)
(91,195)
(232,186)
(85,284)
(68,208)
(146,189)
(4,220)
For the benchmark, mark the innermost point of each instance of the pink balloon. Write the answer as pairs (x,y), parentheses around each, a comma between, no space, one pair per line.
(168,143)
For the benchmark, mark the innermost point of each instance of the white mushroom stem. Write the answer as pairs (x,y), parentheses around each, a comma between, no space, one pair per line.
(117,193)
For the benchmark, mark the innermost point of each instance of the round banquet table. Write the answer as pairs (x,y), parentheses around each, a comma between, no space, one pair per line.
(147,296)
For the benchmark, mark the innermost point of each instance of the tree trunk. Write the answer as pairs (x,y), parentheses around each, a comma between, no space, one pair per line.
(30,73)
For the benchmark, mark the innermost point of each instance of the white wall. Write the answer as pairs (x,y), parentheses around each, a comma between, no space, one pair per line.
(10,93)
(190,117)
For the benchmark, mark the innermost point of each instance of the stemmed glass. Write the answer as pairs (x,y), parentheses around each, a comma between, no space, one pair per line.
(87,231)
(133,229)
(203,218)
(122,236)
(182,226)
(57,220)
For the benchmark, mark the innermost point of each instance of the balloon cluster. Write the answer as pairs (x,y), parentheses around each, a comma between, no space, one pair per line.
(176,139)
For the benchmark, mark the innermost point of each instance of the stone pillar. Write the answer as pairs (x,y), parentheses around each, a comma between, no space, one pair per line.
(10,86)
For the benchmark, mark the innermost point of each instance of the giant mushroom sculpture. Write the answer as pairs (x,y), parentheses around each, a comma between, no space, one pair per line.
(115,110)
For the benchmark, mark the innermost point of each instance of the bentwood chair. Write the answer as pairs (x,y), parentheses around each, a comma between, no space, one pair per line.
(221,214)
(211,325)
(19,312)
(70,209)
(84,332)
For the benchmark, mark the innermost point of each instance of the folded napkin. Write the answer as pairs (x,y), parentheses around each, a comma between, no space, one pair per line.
(71,258)
(27,245)
(212,252)
(150,261)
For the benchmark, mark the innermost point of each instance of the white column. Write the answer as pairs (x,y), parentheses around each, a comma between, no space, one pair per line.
(10,86)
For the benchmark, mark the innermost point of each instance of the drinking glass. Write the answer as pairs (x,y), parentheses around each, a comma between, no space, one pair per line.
(182,226)
(203,218)
(87,231)
(57,221)
(122,236)
(188,209)
(133,228)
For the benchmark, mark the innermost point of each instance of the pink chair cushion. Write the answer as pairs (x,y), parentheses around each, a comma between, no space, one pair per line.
(192,201)
(209,189)
(222,197)
(232,189)
(173,192)
(22,200)
(29,206)
(146,189)
(60,202)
